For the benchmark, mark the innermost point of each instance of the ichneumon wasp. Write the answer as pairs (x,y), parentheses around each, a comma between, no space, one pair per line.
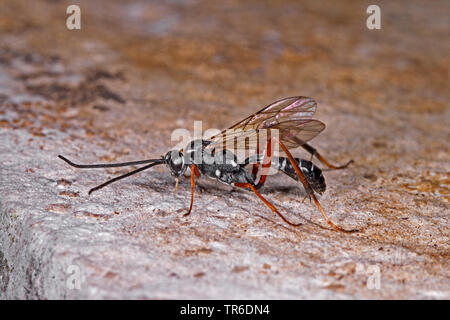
(291,121)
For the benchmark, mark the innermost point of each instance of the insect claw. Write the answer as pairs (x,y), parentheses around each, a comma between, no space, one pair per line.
(307,196)
(347,164)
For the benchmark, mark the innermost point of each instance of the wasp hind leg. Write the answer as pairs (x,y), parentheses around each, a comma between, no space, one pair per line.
(309,190)
(314,152)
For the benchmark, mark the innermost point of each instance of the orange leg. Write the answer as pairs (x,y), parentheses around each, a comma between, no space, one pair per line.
(194,173)
(255,170)
(256,165)
(309,191)
(314,152)
(267,161)
(271,206)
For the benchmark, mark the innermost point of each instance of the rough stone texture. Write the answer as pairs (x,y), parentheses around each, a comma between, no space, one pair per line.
(115,90)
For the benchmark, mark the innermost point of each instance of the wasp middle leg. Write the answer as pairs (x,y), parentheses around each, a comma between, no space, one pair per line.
(266,202)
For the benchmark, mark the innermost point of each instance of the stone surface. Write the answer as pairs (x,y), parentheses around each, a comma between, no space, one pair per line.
(116,89)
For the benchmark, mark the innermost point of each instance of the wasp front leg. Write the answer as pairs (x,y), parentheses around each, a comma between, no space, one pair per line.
(194,174)
(309,190)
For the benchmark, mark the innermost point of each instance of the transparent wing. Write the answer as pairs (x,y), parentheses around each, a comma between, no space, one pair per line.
(288,119)
(293,108)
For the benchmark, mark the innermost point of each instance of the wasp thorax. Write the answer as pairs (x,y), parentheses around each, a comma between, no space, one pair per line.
(175,161)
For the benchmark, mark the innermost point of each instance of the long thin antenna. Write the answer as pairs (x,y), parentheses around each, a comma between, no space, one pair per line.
(109,165)
(159,161)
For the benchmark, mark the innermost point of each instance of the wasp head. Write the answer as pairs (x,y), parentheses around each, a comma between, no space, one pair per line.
(175,161)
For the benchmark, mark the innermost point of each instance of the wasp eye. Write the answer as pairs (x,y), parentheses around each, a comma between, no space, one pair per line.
(175,161)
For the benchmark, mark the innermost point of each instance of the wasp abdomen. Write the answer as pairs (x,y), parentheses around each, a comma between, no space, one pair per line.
(311,172)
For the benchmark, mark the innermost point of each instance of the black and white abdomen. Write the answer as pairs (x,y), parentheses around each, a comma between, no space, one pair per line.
(221,165)
(311,172)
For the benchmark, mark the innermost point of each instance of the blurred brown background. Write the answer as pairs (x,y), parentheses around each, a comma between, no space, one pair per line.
(137,70)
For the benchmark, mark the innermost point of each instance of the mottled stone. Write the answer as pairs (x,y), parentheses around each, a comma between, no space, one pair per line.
(116,89)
